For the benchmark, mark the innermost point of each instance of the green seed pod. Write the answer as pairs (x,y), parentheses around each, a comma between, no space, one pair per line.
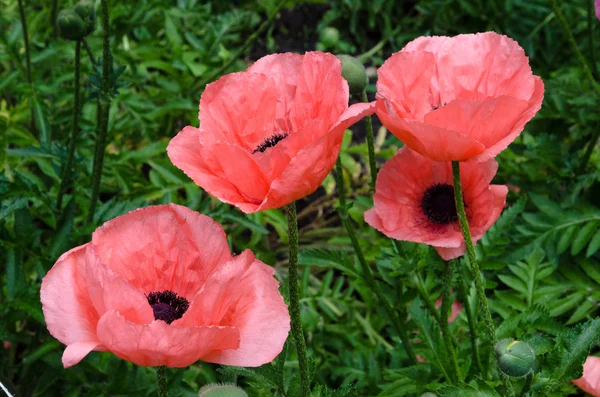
(354,73)
(217,390)
(515,358)
(85,9)
(329,37)
(70,25)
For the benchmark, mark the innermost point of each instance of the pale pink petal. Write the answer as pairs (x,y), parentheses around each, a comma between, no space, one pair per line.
(448,254)
(159,343)
(590,381)
(322,92)
(597,8)
(75,352)
(185,152)
(68,310)
(167,247)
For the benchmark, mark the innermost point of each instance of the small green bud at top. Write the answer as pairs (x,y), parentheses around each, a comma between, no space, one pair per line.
(329,37)
(70,25)
(217,390)
(354,72)
(85,9)
(515,358)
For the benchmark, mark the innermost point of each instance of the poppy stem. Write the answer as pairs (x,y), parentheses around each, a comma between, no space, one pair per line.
(370,144)
(477,275)
(588,151)
(66,173)
(445,312)
(296,324)
(88,49)
(567,30)
(472,324)
(27,55)
(421,287)
(104,108)
(590,21)
(367,273)
(161,379)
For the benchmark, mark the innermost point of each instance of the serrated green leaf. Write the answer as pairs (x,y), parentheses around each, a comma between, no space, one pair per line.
(583,237)
(594,245)
(572,348)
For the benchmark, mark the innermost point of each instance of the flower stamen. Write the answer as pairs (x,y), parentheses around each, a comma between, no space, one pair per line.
(167,305)
(270,142)
(438,204)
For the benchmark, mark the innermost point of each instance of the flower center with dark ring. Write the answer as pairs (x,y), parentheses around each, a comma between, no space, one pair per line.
(438,204)
(270,142)
(167,305)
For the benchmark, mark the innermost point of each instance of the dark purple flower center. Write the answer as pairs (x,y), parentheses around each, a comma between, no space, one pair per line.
(438,204)
(270,142)
(167,305)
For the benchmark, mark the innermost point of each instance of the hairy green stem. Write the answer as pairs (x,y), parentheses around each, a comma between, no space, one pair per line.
(589,149)
(426,298)
(27,56)
(567,30)
(161,378)
(477,275)
(296,324)
(367,273)
(370,144)
(445,313)
(472,324)
(104,108)
(88,49)
(66,172)
(526,385)
(591,14)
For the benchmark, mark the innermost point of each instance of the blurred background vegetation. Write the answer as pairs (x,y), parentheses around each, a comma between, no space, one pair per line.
(541,257)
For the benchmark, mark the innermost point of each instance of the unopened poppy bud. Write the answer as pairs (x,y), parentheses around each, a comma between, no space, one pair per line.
(71,25)
(329,37)
(515,358)
(354,73)
(216,390)
(85,10)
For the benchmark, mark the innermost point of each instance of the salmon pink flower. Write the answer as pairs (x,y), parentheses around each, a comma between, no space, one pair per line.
(456,308)
(590,381)
(270,135)
(159,286)
(597,8)
(458,98)
(414,201)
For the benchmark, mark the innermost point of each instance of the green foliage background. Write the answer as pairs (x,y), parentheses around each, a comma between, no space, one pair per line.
(541,259)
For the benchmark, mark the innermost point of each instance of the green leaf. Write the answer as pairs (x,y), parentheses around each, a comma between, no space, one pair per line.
(62,237)
(41,121)
(572,348)
(583,237)
(594,245)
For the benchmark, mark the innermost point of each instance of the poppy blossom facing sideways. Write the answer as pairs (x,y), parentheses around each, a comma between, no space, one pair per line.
(414,201)
(458,98)
(159,286)
(590,381)
(270,135)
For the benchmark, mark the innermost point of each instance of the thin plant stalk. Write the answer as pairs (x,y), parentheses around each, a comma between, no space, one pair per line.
(589,149)
(104,107)
(88,49)
(567,30)
(53,14)
(426,298)
(472,324)
(445,313)
(161,379)
(367,273)
(27,55)
(526,385)
(66,173)
(477,274)
(370,144)
(296,324)
(591,14)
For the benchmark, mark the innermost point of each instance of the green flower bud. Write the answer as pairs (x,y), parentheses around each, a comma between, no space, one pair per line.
(354,72)
(515,358)
(85,9)
(329,37)
(217,390)
(71,25)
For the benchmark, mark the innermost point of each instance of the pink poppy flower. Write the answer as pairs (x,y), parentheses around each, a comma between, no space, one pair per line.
(458,98)
(414,201)
(159,286)
(597,7)
(270,135)
(455,309)
(590,381)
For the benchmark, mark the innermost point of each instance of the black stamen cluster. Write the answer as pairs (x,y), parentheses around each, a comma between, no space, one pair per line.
(438,204)
(270,142)
(167,305)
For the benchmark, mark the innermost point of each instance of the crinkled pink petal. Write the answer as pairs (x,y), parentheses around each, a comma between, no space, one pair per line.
(167,247)
(240,109)
(159,343)
(590,381)
(322,92)
(185,150)
(437,143)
